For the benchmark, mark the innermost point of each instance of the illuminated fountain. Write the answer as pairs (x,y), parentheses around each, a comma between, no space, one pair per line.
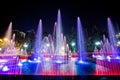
(81,42)
(8,56)
(52,45)
(38,41)
(9,48)
(112,37)
(108,48)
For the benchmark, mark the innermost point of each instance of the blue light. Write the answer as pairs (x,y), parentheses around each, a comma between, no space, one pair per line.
(5,68)
(35,59)
(80,61)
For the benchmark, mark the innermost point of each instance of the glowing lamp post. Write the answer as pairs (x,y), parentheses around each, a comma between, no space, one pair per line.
(73,45)
(25,46)
(97,43)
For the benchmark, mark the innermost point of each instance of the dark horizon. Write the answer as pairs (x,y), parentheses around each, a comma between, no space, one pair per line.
(25,15)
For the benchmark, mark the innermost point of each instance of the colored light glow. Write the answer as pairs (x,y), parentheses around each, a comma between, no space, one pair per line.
(73,44)
(93,56)
(58,61)
(118,42)
(5,39)
(48,45)
(97,43)
(80,61)
(5,68)
(100,57)
(19,64)
(47,59)
(38,61)
(118,57)
(23,60)
(35,59)
(25,45)
(2,60)
(1,65)
(39,58)
(30,61)
(108,57)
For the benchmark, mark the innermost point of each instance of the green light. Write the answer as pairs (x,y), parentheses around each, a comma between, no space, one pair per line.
(97,43)
(73,44)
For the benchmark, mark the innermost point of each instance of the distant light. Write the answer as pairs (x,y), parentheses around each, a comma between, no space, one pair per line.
(5,39)
(25,45)
(97,43)
(73,44)
(5,68)
(19,64)
(118,42)
(48,45)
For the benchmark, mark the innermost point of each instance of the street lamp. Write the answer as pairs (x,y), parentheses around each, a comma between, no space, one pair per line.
(25,45)
(97,43)
(118,42)
(73,45)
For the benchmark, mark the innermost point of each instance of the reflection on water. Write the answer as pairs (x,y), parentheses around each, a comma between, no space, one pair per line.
(67,68)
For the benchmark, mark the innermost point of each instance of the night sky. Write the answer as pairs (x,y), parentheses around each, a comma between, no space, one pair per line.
(25,14)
